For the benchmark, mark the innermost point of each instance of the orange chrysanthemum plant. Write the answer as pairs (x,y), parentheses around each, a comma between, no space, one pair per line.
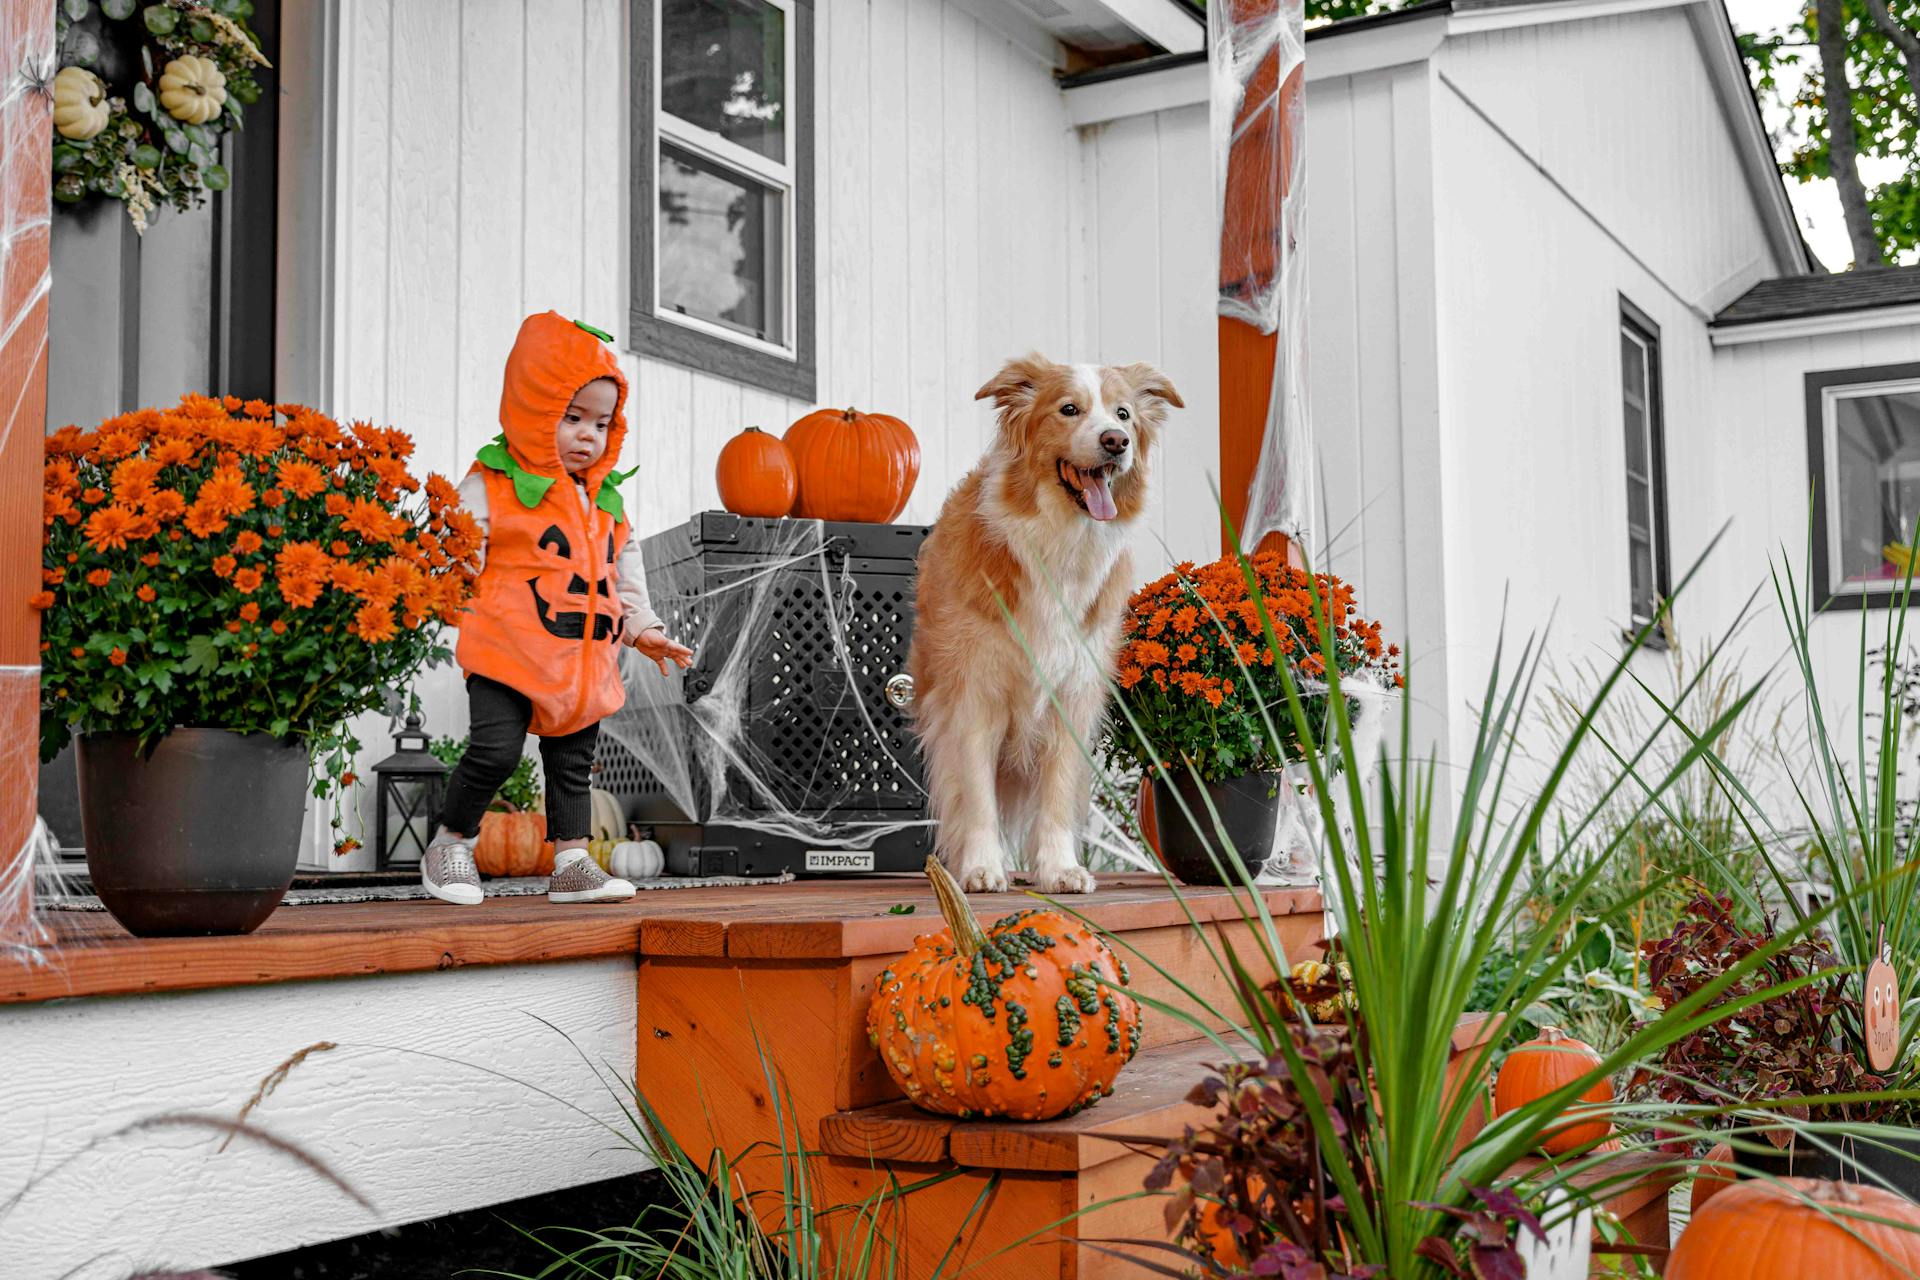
(241,566)
(1195,672)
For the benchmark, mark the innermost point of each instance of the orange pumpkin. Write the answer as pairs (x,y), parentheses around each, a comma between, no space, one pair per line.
(1548,1062)
(853,465)
(1023,1019)
(755,474)
(1797,1228)
(513,843)
(1216,1235)
(1714,1175)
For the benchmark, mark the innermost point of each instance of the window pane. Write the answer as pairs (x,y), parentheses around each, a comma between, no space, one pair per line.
(723,67)
(1633,366)
(1641,568)
(721,245)
(1636,440)
(1877,488)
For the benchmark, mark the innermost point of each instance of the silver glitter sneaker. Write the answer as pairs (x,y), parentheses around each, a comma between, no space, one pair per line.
(578,878)
(448,873)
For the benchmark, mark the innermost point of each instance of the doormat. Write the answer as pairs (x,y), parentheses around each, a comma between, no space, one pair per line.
(513,887)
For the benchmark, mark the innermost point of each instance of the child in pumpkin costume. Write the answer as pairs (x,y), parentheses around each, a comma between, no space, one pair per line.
(560,589)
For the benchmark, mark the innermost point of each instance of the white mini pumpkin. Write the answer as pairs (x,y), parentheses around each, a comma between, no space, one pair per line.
(192,89)
(609,820)
(636,860)
(79,104)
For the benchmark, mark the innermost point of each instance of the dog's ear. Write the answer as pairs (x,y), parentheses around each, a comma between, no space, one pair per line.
(1015,383)
(1149,381)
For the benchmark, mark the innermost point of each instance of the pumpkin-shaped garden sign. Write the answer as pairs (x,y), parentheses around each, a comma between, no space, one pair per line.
(1881,1009)
(1026,1019)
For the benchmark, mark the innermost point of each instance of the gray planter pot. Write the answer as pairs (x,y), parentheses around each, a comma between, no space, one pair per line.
(1249,809)
(199,838)
(1881,1162)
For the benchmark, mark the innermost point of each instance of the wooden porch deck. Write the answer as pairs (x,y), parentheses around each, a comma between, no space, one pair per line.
(809,919)
(677,990)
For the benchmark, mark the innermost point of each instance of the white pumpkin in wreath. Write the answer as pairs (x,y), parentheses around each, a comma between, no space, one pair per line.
(79,104)
(192,89)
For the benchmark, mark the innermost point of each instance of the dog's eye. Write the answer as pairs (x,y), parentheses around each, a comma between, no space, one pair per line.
(1123,414)
(1069,409)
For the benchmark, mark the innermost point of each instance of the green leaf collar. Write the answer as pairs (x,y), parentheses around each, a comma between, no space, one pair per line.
(530,488)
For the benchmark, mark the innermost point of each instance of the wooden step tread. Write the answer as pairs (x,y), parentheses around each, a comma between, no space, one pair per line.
(1149,1099)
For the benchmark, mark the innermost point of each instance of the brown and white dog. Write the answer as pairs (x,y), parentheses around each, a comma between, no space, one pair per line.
(1041,525)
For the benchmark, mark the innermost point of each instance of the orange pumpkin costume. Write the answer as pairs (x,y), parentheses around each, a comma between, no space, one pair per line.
(545,619)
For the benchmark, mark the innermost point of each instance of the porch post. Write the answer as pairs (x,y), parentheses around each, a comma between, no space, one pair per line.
(1257,67)
(26,115)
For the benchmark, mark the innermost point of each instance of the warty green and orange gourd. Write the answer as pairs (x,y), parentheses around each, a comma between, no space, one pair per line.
(1027,1019)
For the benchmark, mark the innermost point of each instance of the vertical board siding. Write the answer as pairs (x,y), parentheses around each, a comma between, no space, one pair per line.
(1148,295)
(1552,89)
(484,174)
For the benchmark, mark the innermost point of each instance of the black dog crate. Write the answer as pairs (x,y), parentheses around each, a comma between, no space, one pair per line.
(779,750)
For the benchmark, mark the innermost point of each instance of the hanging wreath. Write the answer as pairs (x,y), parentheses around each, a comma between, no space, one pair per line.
(143,97)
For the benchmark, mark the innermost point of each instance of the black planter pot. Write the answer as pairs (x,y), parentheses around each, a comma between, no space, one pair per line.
(1892,1162)
(1248,807)
(199,838)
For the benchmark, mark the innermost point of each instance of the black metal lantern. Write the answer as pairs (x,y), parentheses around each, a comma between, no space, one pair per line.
(413,781)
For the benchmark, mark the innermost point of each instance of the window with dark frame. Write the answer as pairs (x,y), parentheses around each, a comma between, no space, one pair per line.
(722,213)
(1863,455)
(1646,466)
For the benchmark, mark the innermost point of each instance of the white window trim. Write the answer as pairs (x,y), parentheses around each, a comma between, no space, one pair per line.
(668,127)
(1830,398)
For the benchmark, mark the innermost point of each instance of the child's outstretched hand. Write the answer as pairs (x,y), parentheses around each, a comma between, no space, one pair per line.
(654,643)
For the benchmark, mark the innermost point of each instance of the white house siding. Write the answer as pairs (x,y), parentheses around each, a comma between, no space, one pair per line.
(446,1092)
(1751,457)
(1148,294)
(1622,113)
(1371,357)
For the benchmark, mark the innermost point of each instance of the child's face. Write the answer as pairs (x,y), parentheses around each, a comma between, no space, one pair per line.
(581,436)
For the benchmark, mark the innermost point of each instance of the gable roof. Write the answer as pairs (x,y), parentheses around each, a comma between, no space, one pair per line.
(1389,37)
(1796,297)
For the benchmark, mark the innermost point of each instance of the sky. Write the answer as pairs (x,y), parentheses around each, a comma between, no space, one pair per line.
(1815,204)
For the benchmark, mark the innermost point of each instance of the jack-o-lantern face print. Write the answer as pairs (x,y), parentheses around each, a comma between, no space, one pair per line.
(570,623)
(1882,1010)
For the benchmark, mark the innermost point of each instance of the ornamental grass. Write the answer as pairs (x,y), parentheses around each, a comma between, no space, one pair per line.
(243,566)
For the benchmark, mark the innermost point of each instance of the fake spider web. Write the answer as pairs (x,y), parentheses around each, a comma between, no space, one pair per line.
(26,34)
(783,726)
(1257,115)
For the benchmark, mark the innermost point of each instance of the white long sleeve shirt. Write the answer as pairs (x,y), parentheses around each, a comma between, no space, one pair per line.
(629,573)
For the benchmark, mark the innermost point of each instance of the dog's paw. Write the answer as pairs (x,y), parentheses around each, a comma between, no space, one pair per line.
(981,877)
(1068,879)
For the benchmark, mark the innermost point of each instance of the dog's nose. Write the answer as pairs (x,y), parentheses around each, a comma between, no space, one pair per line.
(1114,442)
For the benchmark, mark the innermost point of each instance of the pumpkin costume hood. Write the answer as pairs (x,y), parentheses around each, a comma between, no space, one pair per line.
(545,618)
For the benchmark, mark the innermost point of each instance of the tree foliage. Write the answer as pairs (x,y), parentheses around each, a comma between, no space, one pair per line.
(1882,92)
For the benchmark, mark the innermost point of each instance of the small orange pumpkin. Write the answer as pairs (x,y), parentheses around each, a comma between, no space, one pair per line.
(1024,1019)
(513,843)
(1550,1061)
(853,465)
(1714,1175)
(1216,1233)
(1796,1228)
(755,474)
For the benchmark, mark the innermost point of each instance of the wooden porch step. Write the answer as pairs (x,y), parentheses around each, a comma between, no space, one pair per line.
(1149,1099)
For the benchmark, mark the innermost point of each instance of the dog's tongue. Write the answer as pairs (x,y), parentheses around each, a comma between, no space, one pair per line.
(1098,496)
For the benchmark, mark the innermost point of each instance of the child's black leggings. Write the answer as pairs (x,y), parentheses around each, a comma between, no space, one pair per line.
(499,719)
